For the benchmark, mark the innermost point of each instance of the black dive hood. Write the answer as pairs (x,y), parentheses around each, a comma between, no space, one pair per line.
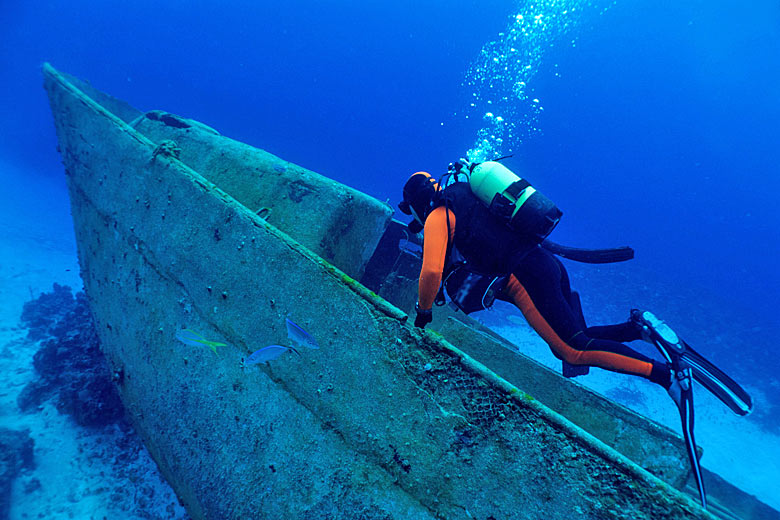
(418,199)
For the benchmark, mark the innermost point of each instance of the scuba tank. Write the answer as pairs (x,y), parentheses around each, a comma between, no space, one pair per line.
(512,199)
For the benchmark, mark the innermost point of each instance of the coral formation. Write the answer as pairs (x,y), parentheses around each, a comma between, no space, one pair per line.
(71,367)
(115,474)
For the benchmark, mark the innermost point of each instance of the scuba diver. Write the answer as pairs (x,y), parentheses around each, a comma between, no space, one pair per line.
(485,238)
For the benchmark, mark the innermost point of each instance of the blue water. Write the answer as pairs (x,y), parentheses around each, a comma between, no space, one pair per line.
(657,130)
(650,123)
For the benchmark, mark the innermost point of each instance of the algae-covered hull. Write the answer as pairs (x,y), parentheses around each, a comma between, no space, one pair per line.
(382,421)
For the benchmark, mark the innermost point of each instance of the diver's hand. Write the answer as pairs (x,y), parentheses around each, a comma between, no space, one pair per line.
(423,317)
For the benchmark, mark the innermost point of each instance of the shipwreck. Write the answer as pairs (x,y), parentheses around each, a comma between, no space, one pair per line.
(180,227)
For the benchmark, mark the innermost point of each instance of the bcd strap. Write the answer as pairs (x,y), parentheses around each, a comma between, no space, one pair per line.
(517,187)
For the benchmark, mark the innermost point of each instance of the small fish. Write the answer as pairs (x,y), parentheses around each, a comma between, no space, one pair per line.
(193,339)
(299,336)
(267,354)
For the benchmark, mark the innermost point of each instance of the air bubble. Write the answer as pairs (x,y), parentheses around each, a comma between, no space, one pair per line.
(498,78)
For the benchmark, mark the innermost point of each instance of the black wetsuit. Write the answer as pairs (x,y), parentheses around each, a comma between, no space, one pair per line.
(544,278)
(539,285)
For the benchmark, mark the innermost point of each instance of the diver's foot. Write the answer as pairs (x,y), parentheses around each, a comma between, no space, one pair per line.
(640,324)
(647,323)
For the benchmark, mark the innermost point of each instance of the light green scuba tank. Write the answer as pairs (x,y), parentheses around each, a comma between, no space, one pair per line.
(514,200)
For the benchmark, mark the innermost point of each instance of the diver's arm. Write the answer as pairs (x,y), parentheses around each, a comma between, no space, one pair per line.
(434,255)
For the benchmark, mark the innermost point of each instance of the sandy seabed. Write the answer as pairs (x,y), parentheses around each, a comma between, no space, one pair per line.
(82,473)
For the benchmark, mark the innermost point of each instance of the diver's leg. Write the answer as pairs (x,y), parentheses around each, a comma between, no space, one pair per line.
(576,306)
(535,289)
(622,332)
(567,369)
(565,284)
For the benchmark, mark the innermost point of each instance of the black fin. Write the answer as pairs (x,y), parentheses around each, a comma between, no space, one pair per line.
(704,371)
(685,406)
(717,382)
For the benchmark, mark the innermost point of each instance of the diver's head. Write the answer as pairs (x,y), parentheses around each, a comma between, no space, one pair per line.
(418,199)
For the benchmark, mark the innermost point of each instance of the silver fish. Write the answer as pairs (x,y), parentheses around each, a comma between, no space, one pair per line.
(267,354)
(299,336)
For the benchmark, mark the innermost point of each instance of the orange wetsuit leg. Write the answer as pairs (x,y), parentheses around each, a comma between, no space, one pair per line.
(563,350)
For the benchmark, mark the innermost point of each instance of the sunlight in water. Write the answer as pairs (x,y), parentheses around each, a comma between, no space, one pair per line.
(499,77)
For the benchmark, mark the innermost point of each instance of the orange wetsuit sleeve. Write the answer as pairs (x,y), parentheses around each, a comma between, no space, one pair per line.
(434,254)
